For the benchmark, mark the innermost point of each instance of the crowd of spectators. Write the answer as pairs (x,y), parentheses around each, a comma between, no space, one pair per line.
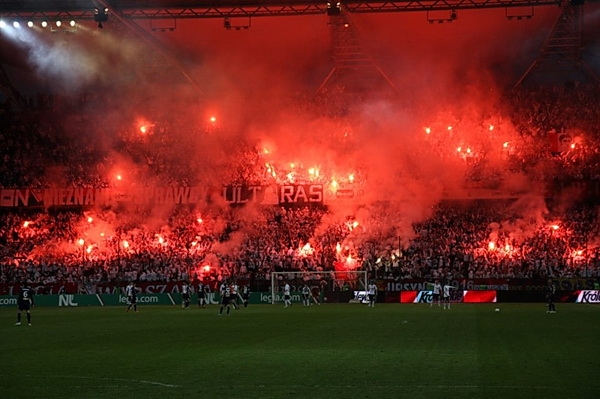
(482,240)
(474,239)
(44,148)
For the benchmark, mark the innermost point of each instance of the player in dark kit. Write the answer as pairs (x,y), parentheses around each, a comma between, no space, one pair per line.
(550,293)
(225,291)
(25,303)
(245,295)
(202,291)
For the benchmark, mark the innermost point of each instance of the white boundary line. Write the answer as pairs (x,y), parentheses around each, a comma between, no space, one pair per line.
(269,386)
(79,377)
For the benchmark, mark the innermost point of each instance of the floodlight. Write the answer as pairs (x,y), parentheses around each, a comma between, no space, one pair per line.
(101,15)
(334,8)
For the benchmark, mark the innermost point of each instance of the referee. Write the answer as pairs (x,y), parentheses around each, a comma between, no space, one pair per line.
(550,292)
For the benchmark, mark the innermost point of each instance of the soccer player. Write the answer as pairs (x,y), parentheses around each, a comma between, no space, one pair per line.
(245,295)
(202,294)
(25,303)
(315,293)
(234,295)
(225,291)
(287,297)
(372,293)
(550,292)
(322,291)
(446,295)
(131,292)
(185,295)
(306,294)
(437,291)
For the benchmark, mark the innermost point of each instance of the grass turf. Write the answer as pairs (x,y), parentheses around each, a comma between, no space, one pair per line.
(329,351)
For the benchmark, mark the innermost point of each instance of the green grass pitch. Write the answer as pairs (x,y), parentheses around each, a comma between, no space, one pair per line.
(329,351)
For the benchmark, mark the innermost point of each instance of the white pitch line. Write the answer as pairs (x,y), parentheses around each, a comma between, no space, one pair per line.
(160,384)
(401,386)
(269,386)
(157,383)
(85,386)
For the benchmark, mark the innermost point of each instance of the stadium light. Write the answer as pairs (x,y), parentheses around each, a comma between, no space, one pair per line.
(58,23)
(2,24)
(30,24)
(100,16)
(44,24)
(72,23)
(16,24)
(334,8)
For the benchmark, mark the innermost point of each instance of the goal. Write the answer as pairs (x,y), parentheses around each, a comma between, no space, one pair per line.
(325,286)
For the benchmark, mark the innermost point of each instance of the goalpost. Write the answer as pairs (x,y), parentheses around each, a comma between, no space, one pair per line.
(324,285)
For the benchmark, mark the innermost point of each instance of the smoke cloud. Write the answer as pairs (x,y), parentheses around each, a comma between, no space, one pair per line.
(259,85)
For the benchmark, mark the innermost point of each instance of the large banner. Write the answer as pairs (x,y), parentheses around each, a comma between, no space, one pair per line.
(154,287)
(41,289)
(287,194)
(283,194)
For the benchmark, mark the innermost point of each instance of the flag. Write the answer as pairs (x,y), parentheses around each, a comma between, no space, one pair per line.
(559,142)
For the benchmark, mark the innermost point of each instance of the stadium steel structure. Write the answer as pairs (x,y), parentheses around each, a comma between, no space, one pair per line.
(156,9)
(561,52)
(349,56)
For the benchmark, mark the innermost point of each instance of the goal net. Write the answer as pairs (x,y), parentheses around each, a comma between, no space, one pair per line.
(325,286)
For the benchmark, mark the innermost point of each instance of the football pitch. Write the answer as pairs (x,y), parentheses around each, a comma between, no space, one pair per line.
(328,351)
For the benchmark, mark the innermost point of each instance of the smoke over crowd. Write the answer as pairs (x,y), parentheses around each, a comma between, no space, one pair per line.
(203,105)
